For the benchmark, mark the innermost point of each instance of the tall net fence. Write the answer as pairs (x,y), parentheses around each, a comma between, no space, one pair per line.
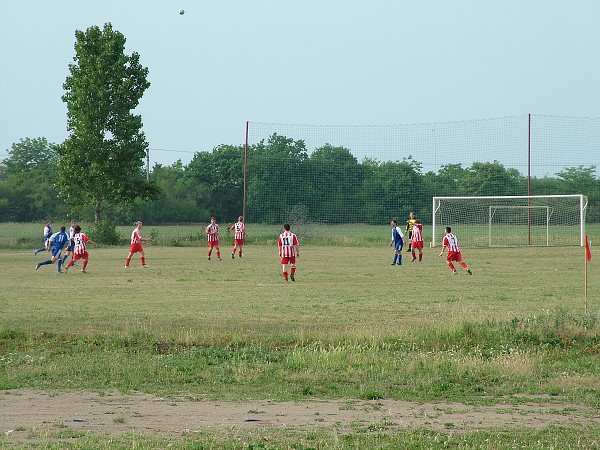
(370,174)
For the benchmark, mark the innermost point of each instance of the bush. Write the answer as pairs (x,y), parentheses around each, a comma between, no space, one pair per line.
(105,232)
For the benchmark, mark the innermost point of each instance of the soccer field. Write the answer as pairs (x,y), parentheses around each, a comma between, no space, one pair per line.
(351,326)
(340,292)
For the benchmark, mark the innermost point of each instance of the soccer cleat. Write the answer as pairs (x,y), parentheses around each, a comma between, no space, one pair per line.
(455,273)
(145,266)
(209,258)
(83,271)
(66,269)
(469,272)
(292,278)
(37,266)
(393,264)
(412,260)
(233,256)
(219,259)
(126,266)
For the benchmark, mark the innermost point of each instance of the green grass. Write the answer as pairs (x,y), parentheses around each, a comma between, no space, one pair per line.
(352,326)
(321,438)
(28,235)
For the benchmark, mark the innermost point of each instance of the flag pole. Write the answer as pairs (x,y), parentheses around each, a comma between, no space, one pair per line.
(587,256)
(585,276)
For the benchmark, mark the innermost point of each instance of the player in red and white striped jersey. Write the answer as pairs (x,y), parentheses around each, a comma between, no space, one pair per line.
(240,234)
(212,231)
(288,251)
(136,245)
(416,240)
(80,250)
(450,242)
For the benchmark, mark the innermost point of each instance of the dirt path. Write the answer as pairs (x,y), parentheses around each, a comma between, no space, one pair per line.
(25,410)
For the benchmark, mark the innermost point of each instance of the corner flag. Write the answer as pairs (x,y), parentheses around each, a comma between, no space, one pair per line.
(588,250)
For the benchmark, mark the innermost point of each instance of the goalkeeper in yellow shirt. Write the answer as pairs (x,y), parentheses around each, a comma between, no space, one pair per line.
(410,223)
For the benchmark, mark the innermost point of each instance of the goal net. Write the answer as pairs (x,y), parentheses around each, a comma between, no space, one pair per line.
(511,221)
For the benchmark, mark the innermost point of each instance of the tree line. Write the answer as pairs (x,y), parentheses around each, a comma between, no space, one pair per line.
(328,185)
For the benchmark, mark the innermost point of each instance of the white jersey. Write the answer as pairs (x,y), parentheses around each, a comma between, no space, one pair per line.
(47,234)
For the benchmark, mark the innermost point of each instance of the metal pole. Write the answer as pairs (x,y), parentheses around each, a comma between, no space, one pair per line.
(245,174)
(585,275)
(529,179)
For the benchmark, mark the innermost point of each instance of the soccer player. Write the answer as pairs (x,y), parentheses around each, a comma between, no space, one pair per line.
(46,238)
(416,240)
(136,245)
(212,231)
(410,223)
(450,242)
(289,250)
(71,244)
(80,250)
(238,238)
(57,242)
(397,242)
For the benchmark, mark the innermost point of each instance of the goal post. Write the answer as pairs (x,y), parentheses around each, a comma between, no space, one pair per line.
(511,221)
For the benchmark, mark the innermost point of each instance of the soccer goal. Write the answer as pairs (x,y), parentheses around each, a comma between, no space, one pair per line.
(511,221)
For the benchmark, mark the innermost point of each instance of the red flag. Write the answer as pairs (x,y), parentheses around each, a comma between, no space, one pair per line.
(588,250)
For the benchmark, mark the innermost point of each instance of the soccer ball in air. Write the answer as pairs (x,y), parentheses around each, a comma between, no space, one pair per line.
(181,12)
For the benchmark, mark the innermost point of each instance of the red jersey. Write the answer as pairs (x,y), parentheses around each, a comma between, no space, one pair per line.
(213,232)
(239,229)
(451,242)
(80,239)
(136,237)
(287,242)
(417,233)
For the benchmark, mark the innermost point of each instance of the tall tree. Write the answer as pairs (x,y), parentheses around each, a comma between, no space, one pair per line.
(582,180)
(492,178)
(218,177)
(276,178)
(27,189)
(101,162)
(336,180)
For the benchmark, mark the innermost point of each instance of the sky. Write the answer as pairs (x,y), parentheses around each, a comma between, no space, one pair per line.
(315,62)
